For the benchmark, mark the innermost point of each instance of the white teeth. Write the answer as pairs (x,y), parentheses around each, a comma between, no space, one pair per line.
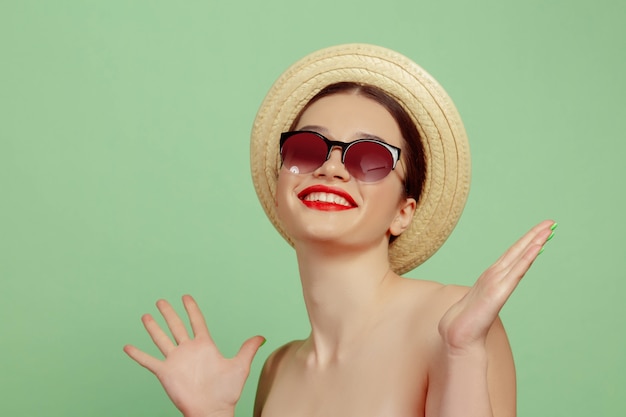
(327,198)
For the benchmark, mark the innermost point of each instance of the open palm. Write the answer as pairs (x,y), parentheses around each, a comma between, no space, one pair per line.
(195,375)
(467,322)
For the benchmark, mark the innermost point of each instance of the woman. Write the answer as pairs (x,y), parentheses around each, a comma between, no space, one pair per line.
(367,180)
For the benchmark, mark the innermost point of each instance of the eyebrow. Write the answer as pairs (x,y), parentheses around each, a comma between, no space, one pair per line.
(325,132)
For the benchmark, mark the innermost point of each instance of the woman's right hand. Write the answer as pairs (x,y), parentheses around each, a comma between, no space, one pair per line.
(197,378)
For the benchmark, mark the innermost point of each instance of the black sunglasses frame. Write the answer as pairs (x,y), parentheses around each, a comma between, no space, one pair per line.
(344,146)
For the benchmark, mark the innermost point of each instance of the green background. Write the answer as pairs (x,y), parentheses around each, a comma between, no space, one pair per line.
(124,178)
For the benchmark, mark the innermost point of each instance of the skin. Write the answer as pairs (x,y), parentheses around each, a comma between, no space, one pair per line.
(380,344)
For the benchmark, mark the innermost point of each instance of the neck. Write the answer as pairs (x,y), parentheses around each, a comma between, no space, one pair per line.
(343,292)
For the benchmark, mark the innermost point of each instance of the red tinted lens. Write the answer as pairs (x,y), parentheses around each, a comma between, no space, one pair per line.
(304,152)
(368,161)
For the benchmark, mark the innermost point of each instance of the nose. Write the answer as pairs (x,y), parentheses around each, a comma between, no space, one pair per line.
(333,167)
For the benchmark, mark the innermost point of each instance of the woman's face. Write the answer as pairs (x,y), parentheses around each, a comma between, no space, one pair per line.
(329,204)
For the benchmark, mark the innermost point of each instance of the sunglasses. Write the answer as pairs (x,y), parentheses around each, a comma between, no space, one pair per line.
(367,160)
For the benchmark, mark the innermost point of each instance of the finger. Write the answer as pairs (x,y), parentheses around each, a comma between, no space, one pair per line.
(523,264)
(521,245)
(158,336)
(196,318)
(501,279)
(538,241)
(516,272)
(537,235)
(147,361)
(248,349)
(174,323)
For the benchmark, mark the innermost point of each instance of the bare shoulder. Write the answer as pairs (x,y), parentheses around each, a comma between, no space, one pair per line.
(432,299)
(446,295)
(450,294)
(269,372)
(430,295)
(275,358)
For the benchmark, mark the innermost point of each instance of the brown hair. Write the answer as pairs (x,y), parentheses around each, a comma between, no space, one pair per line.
(412,153)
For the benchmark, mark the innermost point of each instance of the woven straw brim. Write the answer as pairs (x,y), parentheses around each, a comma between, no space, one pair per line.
(444,139)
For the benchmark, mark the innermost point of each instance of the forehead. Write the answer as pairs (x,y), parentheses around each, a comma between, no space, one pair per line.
(347,116)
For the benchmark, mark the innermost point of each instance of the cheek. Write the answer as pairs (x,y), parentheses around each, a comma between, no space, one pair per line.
(391,191)
(387,201)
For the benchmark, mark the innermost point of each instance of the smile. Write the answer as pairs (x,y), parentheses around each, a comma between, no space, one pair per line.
(326,198)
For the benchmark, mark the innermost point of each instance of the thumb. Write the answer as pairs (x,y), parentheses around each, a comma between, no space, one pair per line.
(248,349)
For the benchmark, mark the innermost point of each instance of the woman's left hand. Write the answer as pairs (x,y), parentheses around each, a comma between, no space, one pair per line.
(465,325)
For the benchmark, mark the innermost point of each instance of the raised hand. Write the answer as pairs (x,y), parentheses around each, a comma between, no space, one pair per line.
(197,378)
(466,323)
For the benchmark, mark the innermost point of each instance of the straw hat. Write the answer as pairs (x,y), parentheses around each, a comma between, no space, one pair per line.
(444,139)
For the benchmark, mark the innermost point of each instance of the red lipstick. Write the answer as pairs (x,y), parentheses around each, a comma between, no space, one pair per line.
(324,198)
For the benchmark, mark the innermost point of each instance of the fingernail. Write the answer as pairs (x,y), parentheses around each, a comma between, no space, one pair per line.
(263,342)
(550,237)
(541,250)
(554,226)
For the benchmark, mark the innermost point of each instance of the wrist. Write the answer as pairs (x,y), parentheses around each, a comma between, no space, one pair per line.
(468,355)
(474,350)
(214,413)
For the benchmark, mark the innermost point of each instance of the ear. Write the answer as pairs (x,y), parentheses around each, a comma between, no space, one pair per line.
(403,218)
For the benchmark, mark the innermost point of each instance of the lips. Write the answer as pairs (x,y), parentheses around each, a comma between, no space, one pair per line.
(321,197)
